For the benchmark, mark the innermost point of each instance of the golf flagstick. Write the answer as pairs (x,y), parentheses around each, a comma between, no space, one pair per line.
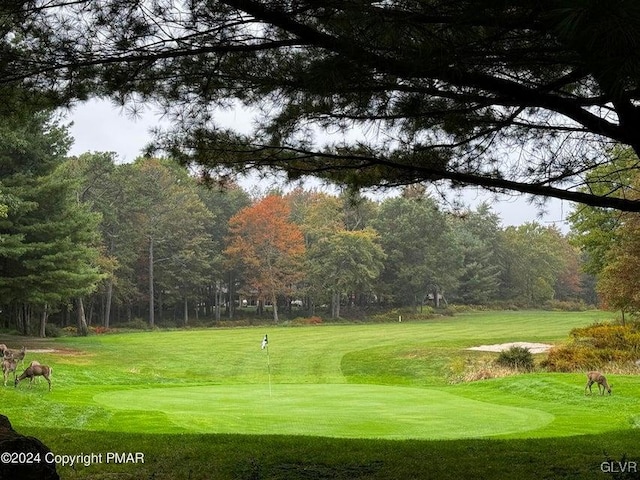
(265,345)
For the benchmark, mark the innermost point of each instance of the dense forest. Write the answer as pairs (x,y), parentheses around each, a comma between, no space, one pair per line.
(87,241)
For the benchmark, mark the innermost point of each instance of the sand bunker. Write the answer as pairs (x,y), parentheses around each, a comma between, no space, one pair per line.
(499,347)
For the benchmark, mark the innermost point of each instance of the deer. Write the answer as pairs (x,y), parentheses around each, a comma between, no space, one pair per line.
(8,365)
(33,364)
(600,379)
(33,371)
(17,355)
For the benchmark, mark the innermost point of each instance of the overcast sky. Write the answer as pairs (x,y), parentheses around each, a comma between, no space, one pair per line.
(101,127)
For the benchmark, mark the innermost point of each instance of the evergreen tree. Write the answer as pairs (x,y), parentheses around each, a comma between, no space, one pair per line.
(170,219)
(49,249)
(448,90)
(223,203)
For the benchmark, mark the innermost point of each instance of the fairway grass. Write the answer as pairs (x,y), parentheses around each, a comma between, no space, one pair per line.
(341,386)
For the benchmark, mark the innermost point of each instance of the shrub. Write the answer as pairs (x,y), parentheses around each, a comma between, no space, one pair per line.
(135,324)
(52,331)
(466,308)
(99,330)
(566,305)
(572,357)
(518,358)
(315,320)
(596,346)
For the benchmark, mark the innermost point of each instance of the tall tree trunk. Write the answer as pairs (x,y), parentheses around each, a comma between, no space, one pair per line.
(274,300)
(335,305)
(43,321)
(186,311)
(83,330)
(232,294)
(92,305)
(152,319)
(26,321)
(107,307)
(218,301)
(20,317)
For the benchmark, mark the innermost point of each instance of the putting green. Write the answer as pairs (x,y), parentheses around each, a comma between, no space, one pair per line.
(342,410)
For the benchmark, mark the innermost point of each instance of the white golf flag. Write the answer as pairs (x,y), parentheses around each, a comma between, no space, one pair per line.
(265,342)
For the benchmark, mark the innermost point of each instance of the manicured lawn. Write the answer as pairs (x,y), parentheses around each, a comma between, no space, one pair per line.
(356,411)
(350,401)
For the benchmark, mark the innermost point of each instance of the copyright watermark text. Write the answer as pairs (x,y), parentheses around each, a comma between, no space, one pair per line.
(86,459)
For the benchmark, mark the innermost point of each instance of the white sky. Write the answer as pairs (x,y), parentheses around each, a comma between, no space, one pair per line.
(102,127)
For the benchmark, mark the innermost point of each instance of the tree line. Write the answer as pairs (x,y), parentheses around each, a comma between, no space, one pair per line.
(88,241)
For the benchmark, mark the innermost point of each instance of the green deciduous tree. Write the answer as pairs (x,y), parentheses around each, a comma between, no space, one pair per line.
(532,260)
(320,216)
(619,278)
(619,281)
(345,261)
(100,186)
(594,229)
(420,247)
(223,203)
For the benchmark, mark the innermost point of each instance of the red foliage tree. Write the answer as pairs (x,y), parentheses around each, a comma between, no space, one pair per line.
(268,247)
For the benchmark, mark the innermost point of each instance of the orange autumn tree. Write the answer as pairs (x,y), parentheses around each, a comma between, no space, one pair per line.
(267,247)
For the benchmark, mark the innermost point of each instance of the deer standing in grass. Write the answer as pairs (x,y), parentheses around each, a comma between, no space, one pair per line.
(8,365)
(8,353)
(33,371)
(600,379)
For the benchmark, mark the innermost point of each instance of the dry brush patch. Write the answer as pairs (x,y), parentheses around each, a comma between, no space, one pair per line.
(608,346)
(468,369)
(484,365)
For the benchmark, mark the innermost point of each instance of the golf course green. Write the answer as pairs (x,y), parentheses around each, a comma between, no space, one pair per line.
(363,411)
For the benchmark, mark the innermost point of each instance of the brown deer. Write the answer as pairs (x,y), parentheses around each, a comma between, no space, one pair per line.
(8,365)
(17,355)
(33,371)
(600,379)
